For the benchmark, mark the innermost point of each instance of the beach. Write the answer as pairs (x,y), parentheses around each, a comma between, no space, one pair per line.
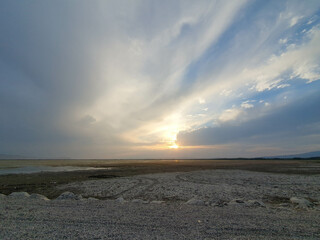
(229,200)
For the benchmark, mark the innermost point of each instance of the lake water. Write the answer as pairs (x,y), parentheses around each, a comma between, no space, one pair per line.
(37,169)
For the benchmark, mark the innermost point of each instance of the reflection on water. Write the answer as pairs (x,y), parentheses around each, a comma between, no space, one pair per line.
(36,169)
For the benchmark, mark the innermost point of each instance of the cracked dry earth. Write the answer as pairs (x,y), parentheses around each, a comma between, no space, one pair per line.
(211,204)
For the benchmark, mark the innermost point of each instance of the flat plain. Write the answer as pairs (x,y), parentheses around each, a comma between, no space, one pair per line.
(165,199)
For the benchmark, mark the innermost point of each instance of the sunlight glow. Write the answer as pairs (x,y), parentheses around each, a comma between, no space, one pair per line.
(174,146)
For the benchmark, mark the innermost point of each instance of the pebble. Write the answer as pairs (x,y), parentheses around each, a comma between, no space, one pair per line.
(236,201)
(220,203)
(69,196)
(38,196)
(92,199)
(284,205)
(197,202)
(120,200)
(255,203)
(157,202)
(301,202)
(19,195)
(139,201)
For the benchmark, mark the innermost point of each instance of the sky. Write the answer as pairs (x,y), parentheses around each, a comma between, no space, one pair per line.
(159,79)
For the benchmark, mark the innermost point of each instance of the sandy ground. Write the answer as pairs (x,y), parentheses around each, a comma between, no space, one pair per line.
(209,204)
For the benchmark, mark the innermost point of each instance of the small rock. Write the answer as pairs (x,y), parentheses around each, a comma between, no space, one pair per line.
(139,201)
(69,196)
(236,201)
(120,200)
(220,203)
(284,205)
(223,204)
(301,202)
(2,196)
(38,196)
(92,199)
(255,203)
(19,195)
(157,202)
(197,202)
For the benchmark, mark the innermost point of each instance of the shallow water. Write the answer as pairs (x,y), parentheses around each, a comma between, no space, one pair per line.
(36,169)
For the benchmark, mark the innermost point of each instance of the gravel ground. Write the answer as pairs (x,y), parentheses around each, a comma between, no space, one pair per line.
(210,185)
(212,204)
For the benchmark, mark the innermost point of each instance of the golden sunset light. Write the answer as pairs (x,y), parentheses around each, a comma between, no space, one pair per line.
(174,146)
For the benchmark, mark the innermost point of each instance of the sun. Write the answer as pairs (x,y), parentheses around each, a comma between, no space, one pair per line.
(174,146)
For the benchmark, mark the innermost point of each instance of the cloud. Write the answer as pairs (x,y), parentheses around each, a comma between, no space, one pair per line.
(283,41)
(201,100)
(275,125)
(230,114)
(247,104)
(295,20)
(300,62)
(87,120)
(106,77)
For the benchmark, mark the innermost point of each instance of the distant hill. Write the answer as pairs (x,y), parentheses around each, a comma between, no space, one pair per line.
(301,155)
(9,156)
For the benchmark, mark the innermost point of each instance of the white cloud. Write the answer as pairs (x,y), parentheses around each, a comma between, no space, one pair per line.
(283,85)
(201,100)
(308,71)
(247,105)
(230,114)
(226,92)
(283,40)
(303,62)
(295,20)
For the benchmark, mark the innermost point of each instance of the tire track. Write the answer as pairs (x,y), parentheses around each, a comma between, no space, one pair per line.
(185,178)
(149,187)
(114,196)
(143,182)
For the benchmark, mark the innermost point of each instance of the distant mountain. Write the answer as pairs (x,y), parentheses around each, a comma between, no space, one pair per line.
(9,156)
(301,155)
